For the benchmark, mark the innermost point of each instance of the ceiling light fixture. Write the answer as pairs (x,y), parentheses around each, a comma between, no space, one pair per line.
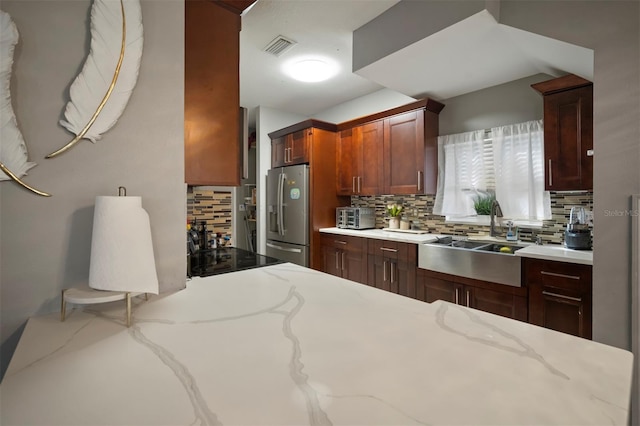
(311,70)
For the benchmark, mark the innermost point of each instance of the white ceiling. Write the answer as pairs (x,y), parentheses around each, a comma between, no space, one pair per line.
(320,27)
(473,54)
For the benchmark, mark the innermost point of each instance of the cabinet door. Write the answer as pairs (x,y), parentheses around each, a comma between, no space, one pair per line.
(404,153)
(495,302)
(347,162)
(211,95)
(354,265)
(429,289)
(560,296)
(405,276)
(379,274)
(298,146)
(331,260)
(278,152)
(371,162)
(568,136)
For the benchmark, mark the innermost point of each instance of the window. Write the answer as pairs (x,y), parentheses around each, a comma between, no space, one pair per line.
(507,161)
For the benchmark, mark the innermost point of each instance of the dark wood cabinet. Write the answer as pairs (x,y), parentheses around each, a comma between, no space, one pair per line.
(212,92)
(392,266)
(291,149)
(360,160)
(345,257)
(392,152)
(507,301)
(404,154)
(560,296)
(568,133)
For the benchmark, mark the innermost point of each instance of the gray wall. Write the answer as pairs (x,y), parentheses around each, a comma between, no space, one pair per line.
(509,103)
(46,241)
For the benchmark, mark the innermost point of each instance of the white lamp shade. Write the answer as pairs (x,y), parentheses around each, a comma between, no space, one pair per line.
(121,247)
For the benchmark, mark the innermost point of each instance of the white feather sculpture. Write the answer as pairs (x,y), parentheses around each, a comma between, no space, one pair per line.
(13,151)
(101,91)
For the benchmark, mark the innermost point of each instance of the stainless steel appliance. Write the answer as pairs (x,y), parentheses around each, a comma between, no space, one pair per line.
(355,217)
(578,235)
(288,214)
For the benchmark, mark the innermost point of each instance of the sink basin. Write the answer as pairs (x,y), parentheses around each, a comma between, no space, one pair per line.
(498,248)
(472,259)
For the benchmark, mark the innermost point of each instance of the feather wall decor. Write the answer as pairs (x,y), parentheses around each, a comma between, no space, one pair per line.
(101,91)
(13,151)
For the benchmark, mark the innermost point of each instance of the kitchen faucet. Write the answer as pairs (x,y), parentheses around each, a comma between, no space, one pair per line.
(495,211)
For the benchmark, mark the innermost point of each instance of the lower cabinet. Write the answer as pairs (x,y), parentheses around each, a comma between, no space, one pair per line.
(499,299)
(392,266)
(559,295)
(345,257)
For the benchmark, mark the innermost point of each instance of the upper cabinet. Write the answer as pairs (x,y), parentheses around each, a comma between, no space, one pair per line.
(292,145)
(393,152)
(212,92)
(360,153)
(291,149)
(568,133)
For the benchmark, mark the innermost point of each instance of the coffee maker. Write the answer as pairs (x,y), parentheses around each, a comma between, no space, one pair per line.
(578,235)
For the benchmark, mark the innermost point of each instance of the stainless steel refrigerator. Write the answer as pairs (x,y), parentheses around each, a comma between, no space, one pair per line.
(288,214)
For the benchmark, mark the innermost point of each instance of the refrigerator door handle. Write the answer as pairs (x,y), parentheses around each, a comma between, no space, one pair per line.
(281,178)
(277,247)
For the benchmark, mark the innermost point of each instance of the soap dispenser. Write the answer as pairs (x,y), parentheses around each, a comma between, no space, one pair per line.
(512,233)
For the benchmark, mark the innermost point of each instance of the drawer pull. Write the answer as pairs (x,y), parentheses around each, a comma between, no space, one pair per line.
(561,296)
(388,249)
(339,242)
(553,274)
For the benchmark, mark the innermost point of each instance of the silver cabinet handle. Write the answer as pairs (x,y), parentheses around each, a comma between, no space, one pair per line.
(290,250)
(456,296)
(388,249)
(419,180)
(359,184)
(392,273)
(384,271)
(468,294)
(343,261)
(589,153)
(550,174)
(337,266)
(553,274)
(340,242)
(561,296)
(353,184)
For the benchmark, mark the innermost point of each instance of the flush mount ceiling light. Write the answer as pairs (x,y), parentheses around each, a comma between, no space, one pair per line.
(311,70)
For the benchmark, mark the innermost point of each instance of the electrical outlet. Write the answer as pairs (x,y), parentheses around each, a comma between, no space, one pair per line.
(241,207)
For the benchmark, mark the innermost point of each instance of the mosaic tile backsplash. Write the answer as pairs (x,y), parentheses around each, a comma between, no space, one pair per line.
(212,207)
(419,209)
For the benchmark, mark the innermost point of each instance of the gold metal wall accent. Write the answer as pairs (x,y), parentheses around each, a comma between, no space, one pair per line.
(106,96)
(17,180)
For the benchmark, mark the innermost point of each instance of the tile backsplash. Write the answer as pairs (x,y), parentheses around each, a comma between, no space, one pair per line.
(419,209)
(212,207)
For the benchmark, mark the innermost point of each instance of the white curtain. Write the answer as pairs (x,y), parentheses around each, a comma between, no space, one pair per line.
(461,173)
(518,156)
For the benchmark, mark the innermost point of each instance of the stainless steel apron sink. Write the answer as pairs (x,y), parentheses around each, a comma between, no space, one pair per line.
(472,259)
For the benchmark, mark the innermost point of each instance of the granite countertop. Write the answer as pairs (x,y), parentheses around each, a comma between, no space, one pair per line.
(285,344)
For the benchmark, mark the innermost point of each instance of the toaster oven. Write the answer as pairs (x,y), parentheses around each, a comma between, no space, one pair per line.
(355,217)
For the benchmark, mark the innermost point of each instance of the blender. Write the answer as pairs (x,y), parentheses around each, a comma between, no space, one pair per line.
(578,235)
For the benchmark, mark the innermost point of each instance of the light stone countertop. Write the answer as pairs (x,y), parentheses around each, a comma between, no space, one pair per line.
(287,345)
(546,252)
(380,234)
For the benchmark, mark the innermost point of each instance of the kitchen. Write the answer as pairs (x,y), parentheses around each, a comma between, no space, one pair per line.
(58,240)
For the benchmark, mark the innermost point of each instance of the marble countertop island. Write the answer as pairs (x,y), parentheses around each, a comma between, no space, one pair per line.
(286,345)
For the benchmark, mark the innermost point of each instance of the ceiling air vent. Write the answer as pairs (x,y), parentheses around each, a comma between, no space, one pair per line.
(279,45)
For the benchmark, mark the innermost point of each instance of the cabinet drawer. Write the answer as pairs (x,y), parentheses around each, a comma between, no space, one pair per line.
(343,242)
(566,277)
